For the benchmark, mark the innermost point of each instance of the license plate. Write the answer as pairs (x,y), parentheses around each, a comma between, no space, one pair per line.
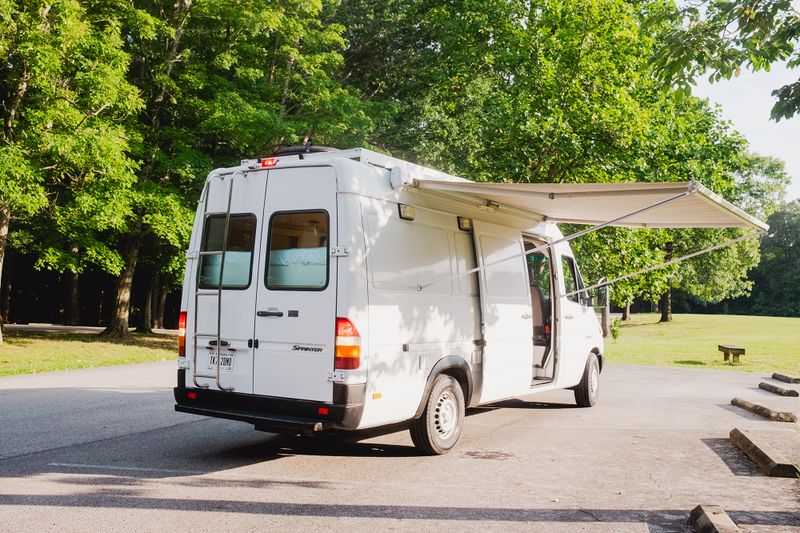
(225,362)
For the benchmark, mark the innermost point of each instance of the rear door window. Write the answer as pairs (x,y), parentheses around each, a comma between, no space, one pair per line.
(238,251)
(298,251)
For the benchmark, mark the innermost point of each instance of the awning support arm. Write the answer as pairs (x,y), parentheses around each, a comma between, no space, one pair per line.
(568,238)
(666,263)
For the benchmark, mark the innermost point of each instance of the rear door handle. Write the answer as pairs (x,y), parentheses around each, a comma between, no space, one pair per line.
(569,317)
(222,343)
(270,313)
(526,316)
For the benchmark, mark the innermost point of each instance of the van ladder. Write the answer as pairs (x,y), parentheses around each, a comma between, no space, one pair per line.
(221,253)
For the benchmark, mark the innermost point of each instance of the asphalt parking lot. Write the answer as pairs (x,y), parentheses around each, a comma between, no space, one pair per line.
(103,449)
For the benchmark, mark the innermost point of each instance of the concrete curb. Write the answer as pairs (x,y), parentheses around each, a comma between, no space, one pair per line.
(777,390)
(711,519)
(771,462)
(766,412)
(785,378)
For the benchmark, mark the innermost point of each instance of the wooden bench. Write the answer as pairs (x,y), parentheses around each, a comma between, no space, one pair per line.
(729,351)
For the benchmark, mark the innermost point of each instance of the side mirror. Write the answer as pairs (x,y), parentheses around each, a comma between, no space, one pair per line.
(587,299)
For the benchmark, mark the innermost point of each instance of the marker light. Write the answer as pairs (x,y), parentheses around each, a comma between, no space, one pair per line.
(407,212)
(182,334)
(322,410)
(269,162)
(347,347)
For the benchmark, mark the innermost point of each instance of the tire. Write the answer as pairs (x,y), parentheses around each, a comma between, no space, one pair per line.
(437,431)
(587,390)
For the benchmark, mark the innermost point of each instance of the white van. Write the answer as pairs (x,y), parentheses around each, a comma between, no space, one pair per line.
(346,290)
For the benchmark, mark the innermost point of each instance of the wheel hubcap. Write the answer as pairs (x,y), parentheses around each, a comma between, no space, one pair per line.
(445,418)
(593,378)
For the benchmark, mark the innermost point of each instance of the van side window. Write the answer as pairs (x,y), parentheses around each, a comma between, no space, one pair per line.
(570,278)
(298,251)
(238,252)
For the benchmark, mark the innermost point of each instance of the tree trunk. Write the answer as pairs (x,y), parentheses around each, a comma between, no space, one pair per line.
(665,306)
(626,311)
(606,316)
(5,220)
(73,317)
(146,325)
(5,291)
(162,303)
(118,326)
(665,303)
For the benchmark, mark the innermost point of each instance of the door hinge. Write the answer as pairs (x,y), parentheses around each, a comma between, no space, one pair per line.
(480,343)
(340,251)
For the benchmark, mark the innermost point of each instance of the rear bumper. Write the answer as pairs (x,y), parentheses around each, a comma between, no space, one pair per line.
(268,413)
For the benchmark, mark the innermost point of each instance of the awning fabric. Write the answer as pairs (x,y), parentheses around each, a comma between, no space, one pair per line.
(596,203)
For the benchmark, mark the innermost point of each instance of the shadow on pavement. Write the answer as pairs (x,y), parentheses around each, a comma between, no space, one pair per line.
(657,520)
(733,458)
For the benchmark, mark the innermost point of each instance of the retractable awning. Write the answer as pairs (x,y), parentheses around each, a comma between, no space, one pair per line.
(644,205)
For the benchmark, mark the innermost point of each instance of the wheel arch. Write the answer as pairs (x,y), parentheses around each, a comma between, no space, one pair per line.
(600,357)
(452,365)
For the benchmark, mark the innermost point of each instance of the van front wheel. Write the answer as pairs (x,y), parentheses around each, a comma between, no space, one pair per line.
(587,390)
(438,429)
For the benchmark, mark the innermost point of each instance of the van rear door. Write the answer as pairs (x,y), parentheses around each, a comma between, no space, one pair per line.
(296,298)
(239,284)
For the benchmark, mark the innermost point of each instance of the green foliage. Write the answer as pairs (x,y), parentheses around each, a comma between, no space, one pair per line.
(614,328)
(64,146)
(777,277)
(720,38)
(558,92)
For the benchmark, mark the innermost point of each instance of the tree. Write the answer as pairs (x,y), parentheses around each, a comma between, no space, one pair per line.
(219,81)
(776,280)
(553,92)
(722,37)
(62,86)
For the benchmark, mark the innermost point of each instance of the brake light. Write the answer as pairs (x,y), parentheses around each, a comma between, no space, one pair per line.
(348,346)
(182,334)
(269,162)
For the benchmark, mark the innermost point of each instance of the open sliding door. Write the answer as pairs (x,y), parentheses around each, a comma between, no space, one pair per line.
(506,318)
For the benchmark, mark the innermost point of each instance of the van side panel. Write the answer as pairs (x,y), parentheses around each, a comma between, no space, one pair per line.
(411,330)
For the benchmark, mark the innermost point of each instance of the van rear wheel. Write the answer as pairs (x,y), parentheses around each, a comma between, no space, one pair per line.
(587,390)
(437,431)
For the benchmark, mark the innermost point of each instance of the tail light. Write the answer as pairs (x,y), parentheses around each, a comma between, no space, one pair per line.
(348,346)
(182,334)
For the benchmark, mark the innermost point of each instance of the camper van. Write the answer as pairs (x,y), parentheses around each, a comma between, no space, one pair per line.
(345,290)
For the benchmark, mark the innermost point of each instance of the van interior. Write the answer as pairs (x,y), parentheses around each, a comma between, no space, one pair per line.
(541,282)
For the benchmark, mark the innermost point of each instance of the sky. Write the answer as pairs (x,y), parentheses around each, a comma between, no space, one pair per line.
(746,101)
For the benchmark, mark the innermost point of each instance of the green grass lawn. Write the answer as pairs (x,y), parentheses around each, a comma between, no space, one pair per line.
(28,353)
(772,343)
